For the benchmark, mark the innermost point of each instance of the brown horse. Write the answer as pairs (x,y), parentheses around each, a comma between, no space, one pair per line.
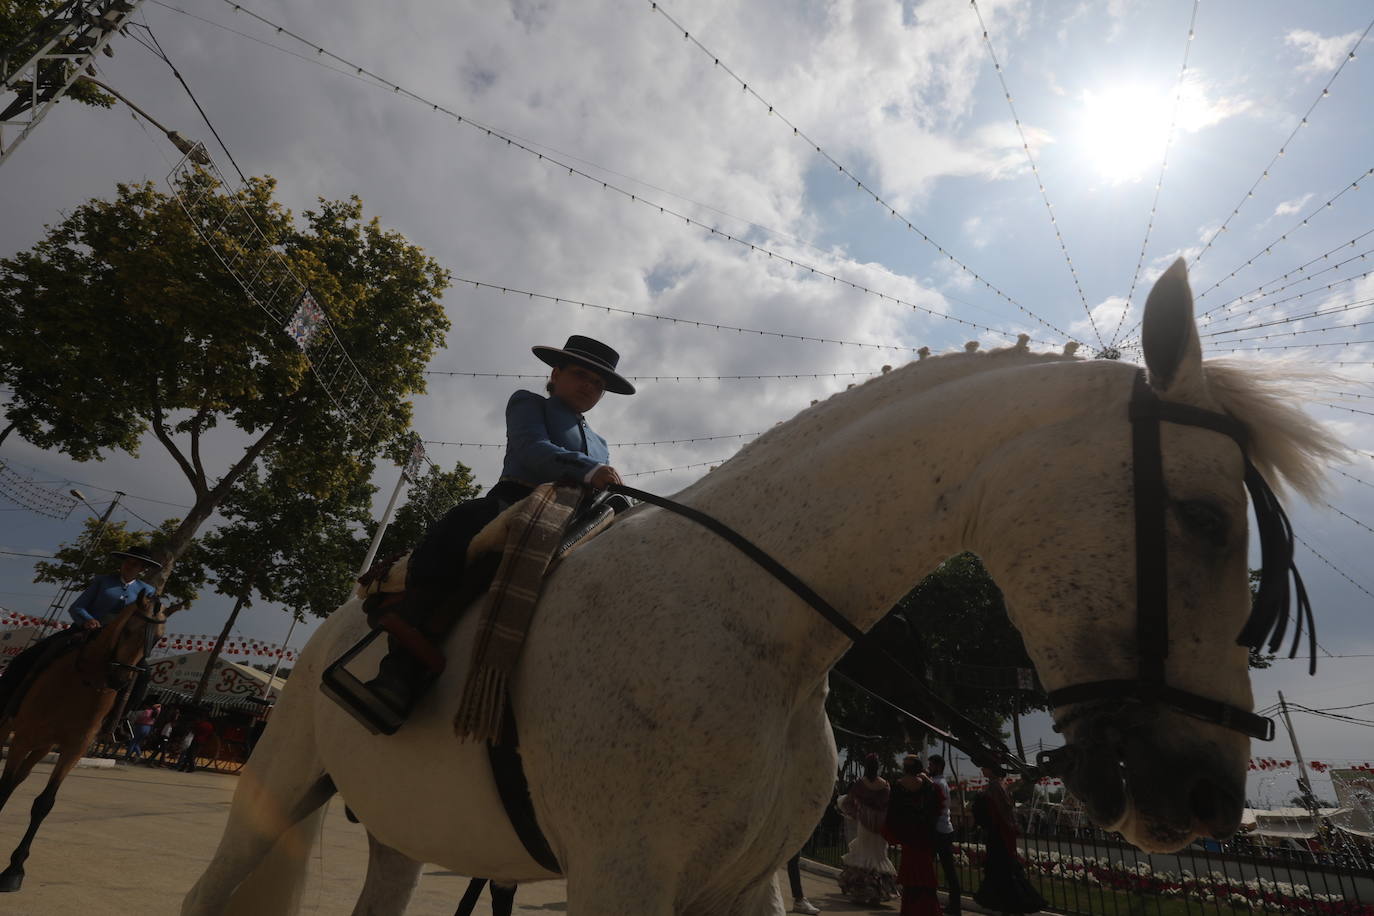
(64,706)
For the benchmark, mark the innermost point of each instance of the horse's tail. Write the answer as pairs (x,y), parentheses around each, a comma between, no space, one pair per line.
(276,886)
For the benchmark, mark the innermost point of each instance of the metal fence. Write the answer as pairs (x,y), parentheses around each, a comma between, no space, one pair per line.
(1086,871)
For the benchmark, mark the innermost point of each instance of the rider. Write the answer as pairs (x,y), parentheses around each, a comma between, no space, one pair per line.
(106,596)
(547,440)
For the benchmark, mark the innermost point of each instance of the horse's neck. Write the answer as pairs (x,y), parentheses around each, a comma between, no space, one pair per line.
(863,497)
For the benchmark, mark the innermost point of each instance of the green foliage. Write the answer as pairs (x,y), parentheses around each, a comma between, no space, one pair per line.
(955,617)
(287,545)
(122,321)
(184,586)
(429,496)
(22,32)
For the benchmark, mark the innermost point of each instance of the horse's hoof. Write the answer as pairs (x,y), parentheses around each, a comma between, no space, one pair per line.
(11,882)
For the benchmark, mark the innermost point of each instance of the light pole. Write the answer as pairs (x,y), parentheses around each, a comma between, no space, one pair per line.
(195,150)
(78,580)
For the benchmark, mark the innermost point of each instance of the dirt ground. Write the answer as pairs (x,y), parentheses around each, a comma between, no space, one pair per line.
(132,840)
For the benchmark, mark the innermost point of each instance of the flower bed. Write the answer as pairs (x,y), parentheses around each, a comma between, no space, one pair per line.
(1257,895)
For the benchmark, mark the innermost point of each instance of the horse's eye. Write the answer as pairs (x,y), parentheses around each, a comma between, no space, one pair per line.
(1204,520)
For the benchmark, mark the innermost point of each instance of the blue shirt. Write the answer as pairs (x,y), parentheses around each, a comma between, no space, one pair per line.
(106,595)
(548,441)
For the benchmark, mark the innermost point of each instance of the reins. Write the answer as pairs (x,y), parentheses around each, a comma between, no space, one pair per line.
(963,733)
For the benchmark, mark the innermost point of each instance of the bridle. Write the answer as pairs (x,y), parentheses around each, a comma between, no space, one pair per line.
(118,674)
(1149,690)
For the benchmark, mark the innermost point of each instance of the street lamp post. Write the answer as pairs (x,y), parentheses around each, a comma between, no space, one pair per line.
(77,581)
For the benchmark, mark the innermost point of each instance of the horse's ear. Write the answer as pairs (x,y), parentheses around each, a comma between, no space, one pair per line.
(1168,333)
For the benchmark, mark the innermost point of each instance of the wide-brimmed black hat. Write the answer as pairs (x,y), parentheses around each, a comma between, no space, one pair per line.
(590,354)
(136,554)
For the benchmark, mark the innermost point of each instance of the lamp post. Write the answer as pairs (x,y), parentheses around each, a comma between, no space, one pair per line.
(77,582)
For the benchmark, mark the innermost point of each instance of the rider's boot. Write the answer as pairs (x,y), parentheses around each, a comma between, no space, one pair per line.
(413,659)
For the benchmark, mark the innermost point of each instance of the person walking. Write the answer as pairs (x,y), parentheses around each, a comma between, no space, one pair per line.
(868,877)
(911,815)
(1004,888)
(944,835)
(142,724)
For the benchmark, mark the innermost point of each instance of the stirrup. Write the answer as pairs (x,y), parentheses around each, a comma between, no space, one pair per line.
(344,688)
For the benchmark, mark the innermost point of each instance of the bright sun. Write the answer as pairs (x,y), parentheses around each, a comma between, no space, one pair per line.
(1122,131)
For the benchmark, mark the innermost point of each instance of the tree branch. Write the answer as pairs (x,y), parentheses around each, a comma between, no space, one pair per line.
(196,426)
(194,475)
(290,412)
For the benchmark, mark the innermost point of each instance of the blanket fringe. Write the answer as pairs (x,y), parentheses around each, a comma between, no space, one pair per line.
(483,703)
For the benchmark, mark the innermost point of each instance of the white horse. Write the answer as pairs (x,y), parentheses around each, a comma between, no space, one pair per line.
(670,700)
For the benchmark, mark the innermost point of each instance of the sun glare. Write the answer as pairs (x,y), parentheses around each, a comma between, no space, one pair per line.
(1122,131)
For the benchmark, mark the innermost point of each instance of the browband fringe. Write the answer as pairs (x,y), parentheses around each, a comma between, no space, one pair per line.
(1270,610)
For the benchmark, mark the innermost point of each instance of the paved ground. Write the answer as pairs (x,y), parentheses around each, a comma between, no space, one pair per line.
(131,840)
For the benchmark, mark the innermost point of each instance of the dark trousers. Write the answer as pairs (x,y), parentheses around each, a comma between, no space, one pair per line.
(502,898)
(944,851)
(794,876)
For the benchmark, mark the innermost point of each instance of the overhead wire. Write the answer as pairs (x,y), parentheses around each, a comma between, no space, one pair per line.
(667,377)
(511,141)
(1163,168)
(1259,294)
(1324,206)
(372,83)
(1334,310)
(1035,170)
(844,170)
(677,319)
(1336,569)
(1282,151)
(611,444)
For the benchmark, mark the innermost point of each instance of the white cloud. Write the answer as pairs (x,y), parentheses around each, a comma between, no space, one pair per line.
(1289,207)
(1322,55)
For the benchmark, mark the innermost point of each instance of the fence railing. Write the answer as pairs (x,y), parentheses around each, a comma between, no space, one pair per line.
(1091,873)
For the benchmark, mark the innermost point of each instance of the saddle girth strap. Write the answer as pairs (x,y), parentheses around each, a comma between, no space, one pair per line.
(514,790)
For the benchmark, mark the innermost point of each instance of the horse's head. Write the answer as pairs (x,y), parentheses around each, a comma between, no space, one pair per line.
(1130,584)
(137,629)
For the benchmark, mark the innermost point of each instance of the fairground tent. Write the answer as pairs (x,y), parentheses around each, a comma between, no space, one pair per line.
(230,684)
(13,640)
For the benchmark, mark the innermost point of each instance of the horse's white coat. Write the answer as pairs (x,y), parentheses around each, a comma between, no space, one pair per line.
(670,698)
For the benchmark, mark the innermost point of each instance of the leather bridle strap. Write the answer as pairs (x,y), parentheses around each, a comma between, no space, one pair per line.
(963,733)
(1147,412)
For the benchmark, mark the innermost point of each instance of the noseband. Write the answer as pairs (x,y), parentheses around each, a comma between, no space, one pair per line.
(1269,612)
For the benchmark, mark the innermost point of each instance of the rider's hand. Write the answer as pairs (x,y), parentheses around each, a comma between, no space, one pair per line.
(91,625)
(604,477)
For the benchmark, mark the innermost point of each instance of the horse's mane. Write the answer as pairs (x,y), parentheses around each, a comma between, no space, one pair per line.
(1285,443)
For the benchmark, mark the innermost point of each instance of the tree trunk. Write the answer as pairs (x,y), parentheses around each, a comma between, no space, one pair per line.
(5,432)
(219,643)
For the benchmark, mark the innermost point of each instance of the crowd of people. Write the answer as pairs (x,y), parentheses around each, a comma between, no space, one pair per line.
(913,813)
(175,736)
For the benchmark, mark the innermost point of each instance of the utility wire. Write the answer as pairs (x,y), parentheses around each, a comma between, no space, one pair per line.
(1264,173)
(848,173)
(479,284)
(1264,294)
(1333,327)
(667,378)
(1040,181)
(680,467)
(1163,167)
(158,51)
(611,444)
(1353,185)
(352,74)
(1337,570)
(511,141)
(1349,306)
(1283,148)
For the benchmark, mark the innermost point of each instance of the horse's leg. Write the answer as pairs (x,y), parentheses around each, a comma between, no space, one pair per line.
(764,899)
(21,761)
(621,886)
(391,879)
(263,814)
(12,878)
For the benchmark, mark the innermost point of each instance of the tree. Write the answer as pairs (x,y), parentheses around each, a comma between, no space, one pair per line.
(950,626)
(430,495)
(184,586)
(122,322)
(284,545)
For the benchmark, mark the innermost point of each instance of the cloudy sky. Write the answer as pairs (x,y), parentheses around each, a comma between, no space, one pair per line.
(715,110)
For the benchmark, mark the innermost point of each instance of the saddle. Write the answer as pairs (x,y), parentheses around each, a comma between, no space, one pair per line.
(383,590)
(23,672)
